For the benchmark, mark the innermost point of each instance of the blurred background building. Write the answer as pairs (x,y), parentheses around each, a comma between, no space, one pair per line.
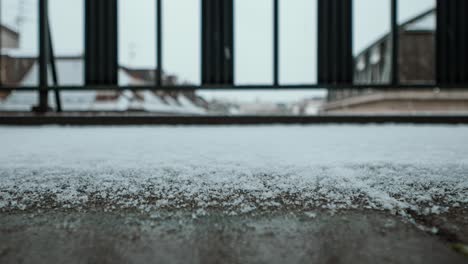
(416,66)
(19,69)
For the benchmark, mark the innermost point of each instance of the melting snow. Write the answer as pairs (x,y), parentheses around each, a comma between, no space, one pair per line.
(421,169)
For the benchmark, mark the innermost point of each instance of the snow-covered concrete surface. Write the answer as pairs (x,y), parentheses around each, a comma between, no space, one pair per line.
(346,237)
(236,170)
(265,194)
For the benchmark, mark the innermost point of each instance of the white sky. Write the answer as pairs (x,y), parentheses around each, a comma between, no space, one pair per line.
(253,27)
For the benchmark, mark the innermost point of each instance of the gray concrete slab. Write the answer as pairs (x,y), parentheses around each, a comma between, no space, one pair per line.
(318,237)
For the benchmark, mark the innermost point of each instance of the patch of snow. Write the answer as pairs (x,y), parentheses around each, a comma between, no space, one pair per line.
(401,169)
(311,214)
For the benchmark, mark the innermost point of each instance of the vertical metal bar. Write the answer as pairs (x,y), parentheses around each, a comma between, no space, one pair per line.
(228,32)
(395,43)
(101,42)
(454,40)
(463,31)
(87,44)
(325,41)
(43,57)
(208,29)
(276,43)
(321,45)
(452,29)
(335,53)
(100,52)
(159,43)
(341,69)
(440,42)
(337,41)
(112,52)
(336,6)
(53,68)
(207,42)
(217,41)
(348,64)
(223,42)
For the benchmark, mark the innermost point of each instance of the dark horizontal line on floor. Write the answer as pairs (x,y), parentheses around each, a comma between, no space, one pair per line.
(116,119)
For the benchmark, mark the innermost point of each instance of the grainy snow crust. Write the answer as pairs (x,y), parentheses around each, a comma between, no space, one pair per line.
(418,169)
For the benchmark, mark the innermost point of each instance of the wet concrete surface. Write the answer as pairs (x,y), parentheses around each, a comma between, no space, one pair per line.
(317,237)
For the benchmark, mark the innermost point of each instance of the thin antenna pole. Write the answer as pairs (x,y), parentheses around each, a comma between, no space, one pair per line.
(53,68)
(43,105)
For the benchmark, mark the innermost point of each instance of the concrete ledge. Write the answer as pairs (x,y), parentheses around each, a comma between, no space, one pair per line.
(30,119)
(407,101)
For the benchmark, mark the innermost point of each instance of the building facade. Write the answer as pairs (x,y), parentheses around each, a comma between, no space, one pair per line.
(416,61)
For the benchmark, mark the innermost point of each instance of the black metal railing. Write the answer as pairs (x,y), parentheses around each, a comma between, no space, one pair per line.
(335,38)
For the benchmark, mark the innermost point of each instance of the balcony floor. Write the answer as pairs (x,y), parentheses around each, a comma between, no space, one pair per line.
(267,193)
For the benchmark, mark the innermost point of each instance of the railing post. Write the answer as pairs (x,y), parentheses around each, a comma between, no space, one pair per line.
(452,43)
(53,69)
(217,42)
(335,47)
(101,42)
(43,103)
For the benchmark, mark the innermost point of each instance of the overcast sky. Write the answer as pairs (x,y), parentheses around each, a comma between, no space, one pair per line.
(253,29)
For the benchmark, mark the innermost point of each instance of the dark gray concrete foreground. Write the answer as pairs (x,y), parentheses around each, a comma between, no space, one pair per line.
(320,237)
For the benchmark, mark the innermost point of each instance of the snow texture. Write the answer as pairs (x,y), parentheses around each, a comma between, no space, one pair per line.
(237,170)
